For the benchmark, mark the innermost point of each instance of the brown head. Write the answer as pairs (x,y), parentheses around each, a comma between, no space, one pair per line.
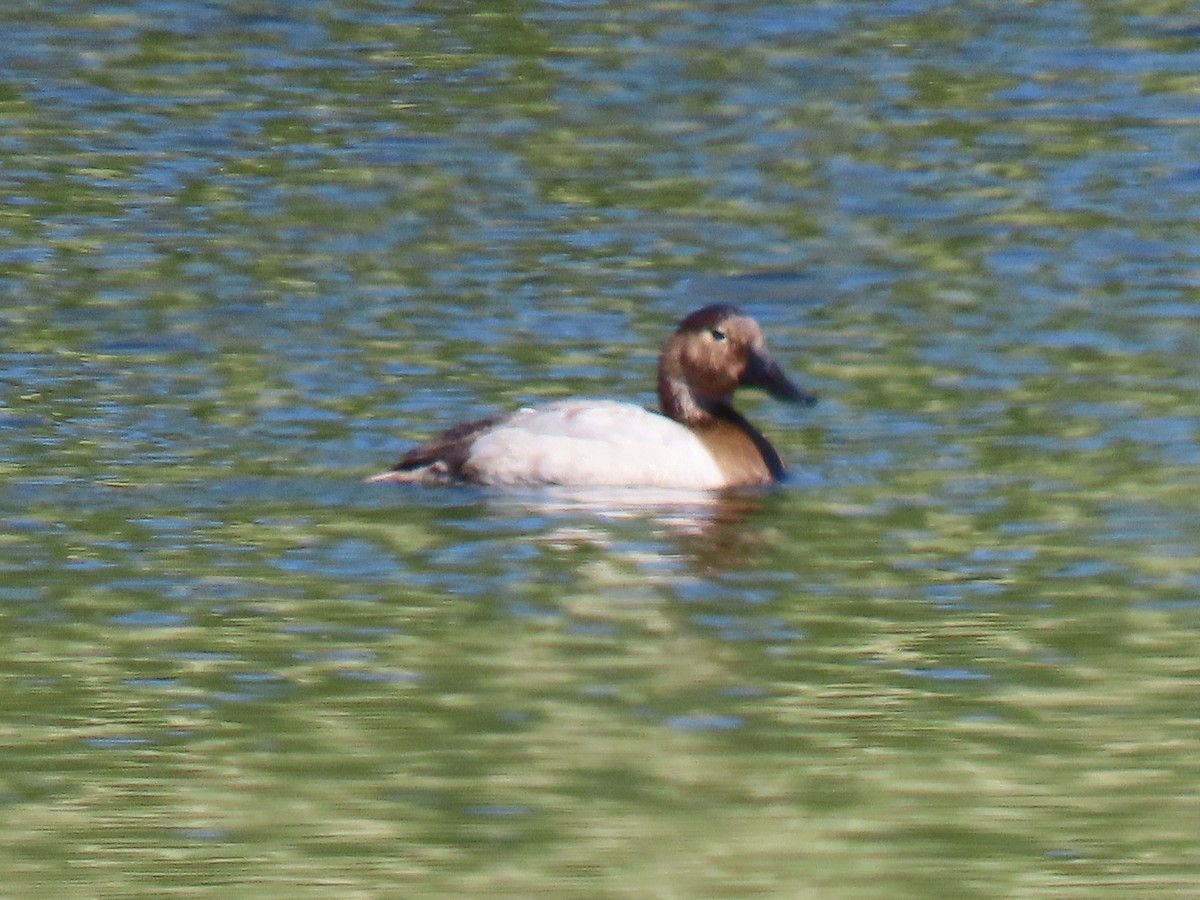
(714,351)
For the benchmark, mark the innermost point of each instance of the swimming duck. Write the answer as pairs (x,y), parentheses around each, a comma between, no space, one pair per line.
(699,442)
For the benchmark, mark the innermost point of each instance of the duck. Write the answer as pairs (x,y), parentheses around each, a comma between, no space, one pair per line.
(697,442)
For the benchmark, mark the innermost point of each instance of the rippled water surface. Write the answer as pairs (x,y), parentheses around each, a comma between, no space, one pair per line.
(249,252)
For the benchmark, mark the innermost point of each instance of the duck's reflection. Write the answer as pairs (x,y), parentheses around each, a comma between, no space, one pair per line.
(707,528)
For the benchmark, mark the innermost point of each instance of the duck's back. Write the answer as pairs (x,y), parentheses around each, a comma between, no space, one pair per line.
(591,443)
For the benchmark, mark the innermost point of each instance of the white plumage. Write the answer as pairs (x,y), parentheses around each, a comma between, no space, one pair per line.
(593,443)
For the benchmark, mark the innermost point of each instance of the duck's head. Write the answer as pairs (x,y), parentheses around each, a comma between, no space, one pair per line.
(714,351)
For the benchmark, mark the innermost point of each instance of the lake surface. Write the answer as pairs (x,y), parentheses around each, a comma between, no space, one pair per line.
(250,252)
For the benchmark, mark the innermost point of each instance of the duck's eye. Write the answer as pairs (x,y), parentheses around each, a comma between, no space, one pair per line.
(717,334)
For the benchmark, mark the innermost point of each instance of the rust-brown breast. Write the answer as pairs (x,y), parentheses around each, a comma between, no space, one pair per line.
(745,457)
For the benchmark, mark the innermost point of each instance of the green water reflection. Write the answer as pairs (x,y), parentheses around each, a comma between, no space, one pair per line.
(248,252)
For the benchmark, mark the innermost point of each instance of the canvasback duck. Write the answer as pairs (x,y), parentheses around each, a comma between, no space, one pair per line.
(699,442)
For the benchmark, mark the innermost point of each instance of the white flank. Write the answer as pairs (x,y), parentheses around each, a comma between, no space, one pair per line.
(593,443)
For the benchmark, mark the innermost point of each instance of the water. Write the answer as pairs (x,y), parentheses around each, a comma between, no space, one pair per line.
(250,252)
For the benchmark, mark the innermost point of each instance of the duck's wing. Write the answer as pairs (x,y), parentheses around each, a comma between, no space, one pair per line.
(440,459)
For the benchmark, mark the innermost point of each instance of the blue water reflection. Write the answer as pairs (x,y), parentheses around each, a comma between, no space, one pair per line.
(250,253)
